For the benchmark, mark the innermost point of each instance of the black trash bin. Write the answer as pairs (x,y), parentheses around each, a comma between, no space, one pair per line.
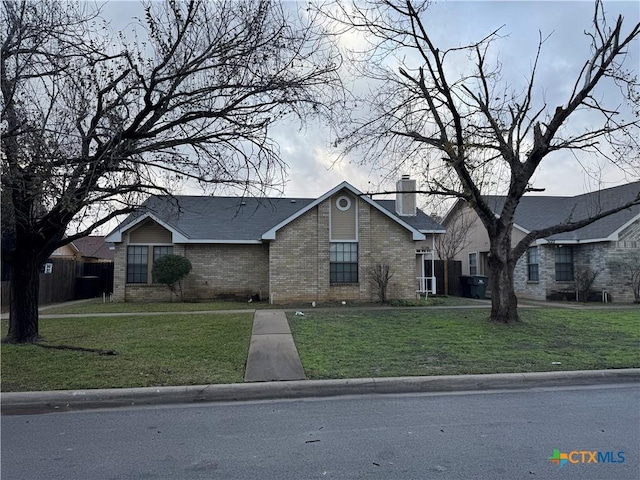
(478,286)
(473,286)
(87,287)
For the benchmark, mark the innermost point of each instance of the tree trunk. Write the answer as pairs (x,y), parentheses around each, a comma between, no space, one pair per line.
(504,303)
(446,276)
(23,303)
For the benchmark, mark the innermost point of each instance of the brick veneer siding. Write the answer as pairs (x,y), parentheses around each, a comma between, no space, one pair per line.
(293,267)
(235,270)
(592,255)
(617,283)
(218,270)
(299,258)
(525,288)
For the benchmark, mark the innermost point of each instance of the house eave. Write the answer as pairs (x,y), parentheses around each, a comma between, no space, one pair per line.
(271,233)
(222,242)
(615,235)
(544,241)
(176,236)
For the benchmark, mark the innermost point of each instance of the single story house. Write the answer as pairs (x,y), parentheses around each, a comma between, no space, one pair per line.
(548,268)
(283,249)
(94,249)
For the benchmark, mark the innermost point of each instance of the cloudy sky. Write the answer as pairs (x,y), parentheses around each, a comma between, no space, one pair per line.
(310,158)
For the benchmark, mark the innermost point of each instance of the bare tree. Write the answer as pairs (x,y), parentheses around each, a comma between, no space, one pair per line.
(585,277)
(92,123)
(380,278)
(456,238)
(627,267)
(449,112)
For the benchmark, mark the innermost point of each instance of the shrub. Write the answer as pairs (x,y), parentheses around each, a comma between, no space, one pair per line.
(170,270)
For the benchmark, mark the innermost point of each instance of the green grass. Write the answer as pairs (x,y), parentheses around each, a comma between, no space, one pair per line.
(96,306)
(164,350)
(350,344)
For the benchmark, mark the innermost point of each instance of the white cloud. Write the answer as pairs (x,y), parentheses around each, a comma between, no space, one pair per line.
(310,159)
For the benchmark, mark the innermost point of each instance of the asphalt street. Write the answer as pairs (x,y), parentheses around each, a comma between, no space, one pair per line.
(476,435)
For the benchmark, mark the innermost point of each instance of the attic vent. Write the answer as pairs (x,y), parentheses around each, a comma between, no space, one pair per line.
(243,202)
(293,201)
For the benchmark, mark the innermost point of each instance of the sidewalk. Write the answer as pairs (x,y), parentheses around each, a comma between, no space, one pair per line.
(272,354)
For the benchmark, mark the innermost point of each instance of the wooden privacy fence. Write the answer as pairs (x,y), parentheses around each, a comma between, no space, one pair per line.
(67,279)
(455,270)
(59,285)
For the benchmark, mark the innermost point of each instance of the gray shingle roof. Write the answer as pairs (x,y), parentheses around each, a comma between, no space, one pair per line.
(536,212)
(229,219)
(421,221)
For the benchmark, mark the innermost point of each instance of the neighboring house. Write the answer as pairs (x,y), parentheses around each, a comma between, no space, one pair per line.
(94,249)
(80,269)
(68,252)
(547,270)
(283,249)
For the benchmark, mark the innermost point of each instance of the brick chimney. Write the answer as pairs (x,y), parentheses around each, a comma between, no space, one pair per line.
(406,202)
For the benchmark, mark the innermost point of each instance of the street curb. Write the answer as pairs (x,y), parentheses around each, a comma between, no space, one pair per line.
(20,403)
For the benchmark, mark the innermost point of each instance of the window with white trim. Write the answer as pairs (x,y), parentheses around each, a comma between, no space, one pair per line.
(532,264)
(138,265)
(564,263)
(473,263)
(343,262)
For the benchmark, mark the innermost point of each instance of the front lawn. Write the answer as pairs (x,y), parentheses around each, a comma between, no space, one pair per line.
(97,306)
(151,351)
(383,343)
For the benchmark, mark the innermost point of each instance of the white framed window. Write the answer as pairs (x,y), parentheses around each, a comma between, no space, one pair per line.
(532,264)
(564,263)
(473,263)
(343,262)
(138,265)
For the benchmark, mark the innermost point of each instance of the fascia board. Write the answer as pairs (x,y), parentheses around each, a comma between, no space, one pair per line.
(226,242)
(116,235)
(271,234)
(615,235)
(544,241)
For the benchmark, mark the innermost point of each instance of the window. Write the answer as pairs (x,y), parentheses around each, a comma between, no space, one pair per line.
(343,203)
(161,252)
(343,258)
(137,264)
(564,264)
(532,264)
(473,263)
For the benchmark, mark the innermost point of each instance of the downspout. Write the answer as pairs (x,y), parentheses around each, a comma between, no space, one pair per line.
(433,263)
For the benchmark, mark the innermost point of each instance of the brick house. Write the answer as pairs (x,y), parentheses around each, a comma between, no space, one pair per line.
(283,249)
(547,270)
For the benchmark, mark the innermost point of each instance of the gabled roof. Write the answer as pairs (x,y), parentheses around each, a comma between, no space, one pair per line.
(271,233)
(536,212)
(94,246)
(199,219)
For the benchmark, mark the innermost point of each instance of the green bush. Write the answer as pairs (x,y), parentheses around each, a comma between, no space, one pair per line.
(170,270)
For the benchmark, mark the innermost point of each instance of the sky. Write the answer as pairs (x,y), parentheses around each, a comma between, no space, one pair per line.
(310,157)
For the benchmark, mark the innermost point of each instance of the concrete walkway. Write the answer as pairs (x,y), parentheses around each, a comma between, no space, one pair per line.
(272,354)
